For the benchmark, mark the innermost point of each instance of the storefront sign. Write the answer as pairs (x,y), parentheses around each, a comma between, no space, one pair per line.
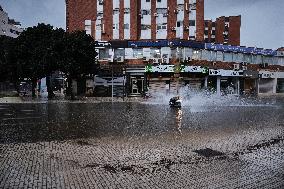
(238,49)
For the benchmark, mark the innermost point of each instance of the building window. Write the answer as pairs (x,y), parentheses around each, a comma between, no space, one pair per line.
(191,22)
(98,26)
(159,1)
(126,26)
(115,26)
(147,0)
(138,53)
(179,24)
(155,53)
(145,27)
(162,10)
(115,11)
(88,27)
(162,26)
(126,10)
(104,54)
(146,12)
(101,2)
(192,6)
(180,7)
(100,14)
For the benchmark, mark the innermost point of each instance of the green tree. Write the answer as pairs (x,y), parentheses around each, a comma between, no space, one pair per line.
(9,69)
(36,52)
(78,57)
(4,52)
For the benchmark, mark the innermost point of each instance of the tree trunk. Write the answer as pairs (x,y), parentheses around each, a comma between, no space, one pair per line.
(70,88)
(49,87)
(16,86)
(34,81)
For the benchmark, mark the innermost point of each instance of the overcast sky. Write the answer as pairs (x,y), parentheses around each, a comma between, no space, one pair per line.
(262,20)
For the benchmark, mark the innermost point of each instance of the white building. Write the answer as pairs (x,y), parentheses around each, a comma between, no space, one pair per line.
(9,27)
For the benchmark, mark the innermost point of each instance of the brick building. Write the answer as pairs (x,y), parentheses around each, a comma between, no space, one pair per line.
(158,46)
(137,20)
(225,30)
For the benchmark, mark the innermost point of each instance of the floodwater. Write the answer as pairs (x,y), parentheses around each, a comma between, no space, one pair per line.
(211,142)
(36,122)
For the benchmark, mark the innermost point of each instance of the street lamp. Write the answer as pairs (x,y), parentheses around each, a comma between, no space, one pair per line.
(123,82)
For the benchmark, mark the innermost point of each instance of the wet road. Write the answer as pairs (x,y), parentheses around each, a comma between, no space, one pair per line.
(148,145)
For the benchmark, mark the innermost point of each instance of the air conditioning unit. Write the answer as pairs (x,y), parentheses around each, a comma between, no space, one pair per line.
(236,67)
(120,59)
(156,14)
(101,2)
(187,58)
(110,59)
(263,65)
(244,63)
(164,60)
(173,28)
(186,28)
(165,14)
(176,11)
(157,60)
(146,59)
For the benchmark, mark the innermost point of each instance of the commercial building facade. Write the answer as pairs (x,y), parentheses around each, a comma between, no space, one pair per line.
(134,67)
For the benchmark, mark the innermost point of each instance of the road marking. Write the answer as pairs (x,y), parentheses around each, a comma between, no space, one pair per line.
(20,118)
(27,110)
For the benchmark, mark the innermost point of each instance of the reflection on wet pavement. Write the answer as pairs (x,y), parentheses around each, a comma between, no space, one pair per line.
(148,145)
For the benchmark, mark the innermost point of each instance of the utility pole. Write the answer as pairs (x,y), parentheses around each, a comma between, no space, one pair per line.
(123,83)
(112,82)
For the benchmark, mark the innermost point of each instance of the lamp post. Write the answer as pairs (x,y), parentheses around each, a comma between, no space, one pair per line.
(123,83)
(112,82)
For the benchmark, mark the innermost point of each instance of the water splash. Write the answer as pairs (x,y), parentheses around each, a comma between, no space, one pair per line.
(204,98)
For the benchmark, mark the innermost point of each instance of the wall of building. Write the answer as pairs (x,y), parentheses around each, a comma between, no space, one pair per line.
(225,30)
(8,27)
(135,20)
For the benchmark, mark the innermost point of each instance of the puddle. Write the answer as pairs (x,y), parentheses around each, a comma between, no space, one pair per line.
(207,152)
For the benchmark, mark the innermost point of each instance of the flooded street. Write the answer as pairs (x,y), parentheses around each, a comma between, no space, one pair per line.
(230,143)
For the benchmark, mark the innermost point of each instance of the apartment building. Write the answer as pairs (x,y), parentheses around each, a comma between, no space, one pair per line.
(162,45)
(9,27)
(137,20)
(225,30)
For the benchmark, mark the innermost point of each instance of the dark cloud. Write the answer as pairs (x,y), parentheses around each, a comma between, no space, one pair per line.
(262,20)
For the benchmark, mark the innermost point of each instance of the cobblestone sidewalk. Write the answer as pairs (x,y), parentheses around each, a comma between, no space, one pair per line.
(167,161)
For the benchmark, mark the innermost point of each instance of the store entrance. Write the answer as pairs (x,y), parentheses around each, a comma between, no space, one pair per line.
(137,85)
